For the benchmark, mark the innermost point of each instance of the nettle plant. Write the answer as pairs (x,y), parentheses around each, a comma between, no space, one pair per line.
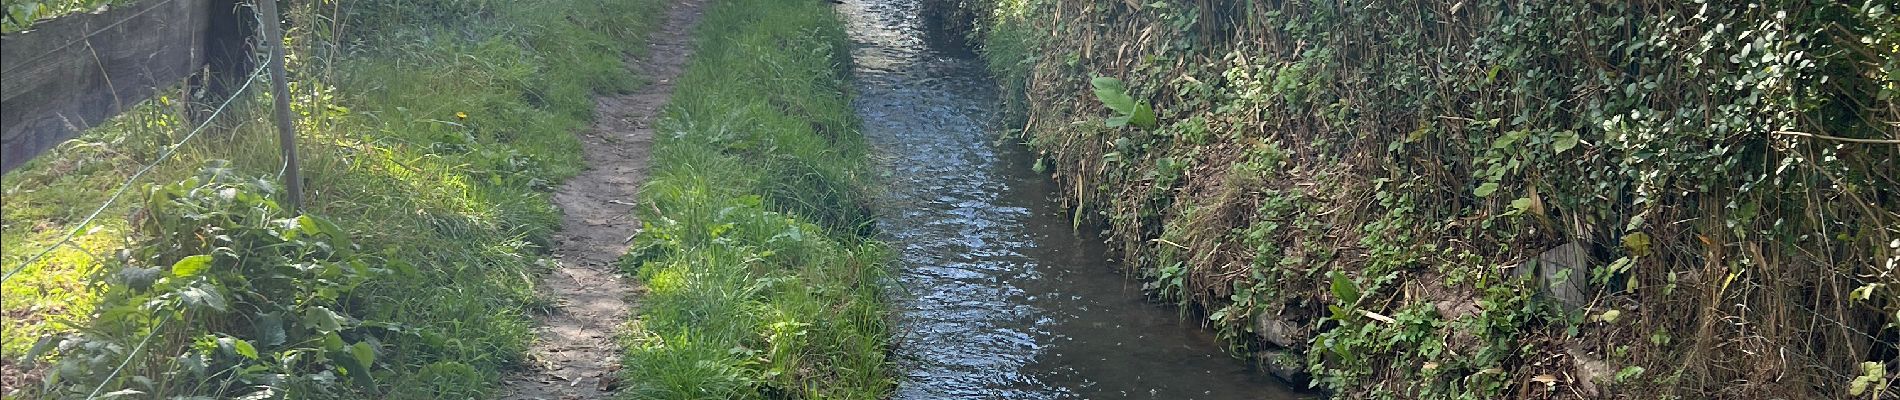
(227,295)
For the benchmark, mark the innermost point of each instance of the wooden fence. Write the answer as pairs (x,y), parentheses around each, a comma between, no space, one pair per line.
(73,72)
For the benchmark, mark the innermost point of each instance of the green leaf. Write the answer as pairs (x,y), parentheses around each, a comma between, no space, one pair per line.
(1344,288)
(1609,316)
(1521,205)
(1113,94)
(201,296)
(244,348)
(1486,189)
(140,279)
(1565,141)
(1628,373)
(191,266)
(322,319)
(307,225)
(46,343)
(1637,243)
(269,329)
(364,354)
(1144,116)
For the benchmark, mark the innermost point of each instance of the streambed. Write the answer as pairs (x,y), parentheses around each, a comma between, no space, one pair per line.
(1002,298)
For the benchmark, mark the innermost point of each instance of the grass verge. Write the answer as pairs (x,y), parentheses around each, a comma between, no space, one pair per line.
(432,135)
(761,281)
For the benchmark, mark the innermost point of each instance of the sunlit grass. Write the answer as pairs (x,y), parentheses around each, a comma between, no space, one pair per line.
(434,148)
(761,280)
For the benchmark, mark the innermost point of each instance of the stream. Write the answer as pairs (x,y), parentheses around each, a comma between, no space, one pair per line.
(1001,297)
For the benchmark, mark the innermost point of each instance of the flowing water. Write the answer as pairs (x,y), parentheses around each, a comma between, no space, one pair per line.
(1003,300)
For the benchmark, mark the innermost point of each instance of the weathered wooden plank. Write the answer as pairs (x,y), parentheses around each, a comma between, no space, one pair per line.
(73,72)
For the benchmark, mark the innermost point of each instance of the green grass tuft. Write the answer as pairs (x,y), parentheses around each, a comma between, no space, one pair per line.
(761,281)
(389,157)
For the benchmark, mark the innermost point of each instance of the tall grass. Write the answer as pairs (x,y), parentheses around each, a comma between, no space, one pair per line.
(434,145)
(761,281)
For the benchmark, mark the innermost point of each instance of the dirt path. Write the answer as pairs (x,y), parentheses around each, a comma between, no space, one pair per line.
(576,355)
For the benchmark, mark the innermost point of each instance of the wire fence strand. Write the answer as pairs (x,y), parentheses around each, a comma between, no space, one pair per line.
(120,192)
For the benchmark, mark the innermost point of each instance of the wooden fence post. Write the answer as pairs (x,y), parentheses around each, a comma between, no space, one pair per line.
(280,93)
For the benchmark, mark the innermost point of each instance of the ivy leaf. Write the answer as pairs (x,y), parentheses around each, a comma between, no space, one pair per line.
(1486,189)
(1871,373)
(1565,141)
(191,266)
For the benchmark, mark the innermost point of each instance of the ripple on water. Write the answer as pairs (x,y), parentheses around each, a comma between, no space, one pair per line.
(1001,299)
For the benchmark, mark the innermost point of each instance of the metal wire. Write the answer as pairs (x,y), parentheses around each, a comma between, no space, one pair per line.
(135,177)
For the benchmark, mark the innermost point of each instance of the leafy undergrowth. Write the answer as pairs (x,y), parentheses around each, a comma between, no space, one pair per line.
(761,281)
(1358,191)
(431,133)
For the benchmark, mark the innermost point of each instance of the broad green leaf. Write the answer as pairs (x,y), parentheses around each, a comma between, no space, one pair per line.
(364,354)
(1637,243)
(191,266)
(1521,205)
(269,329)
(339,239)
(1486,189)
(322,319)
(307,225)
(1344,288)
(1143,117)
(244,348)
(1564,141)
(1113,94)
(201,296)
(140,279)
(333,342)
(1609,316)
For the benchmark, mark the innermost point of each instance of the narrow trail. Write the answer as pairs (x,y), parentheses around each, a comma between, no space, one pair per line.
(575,355)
